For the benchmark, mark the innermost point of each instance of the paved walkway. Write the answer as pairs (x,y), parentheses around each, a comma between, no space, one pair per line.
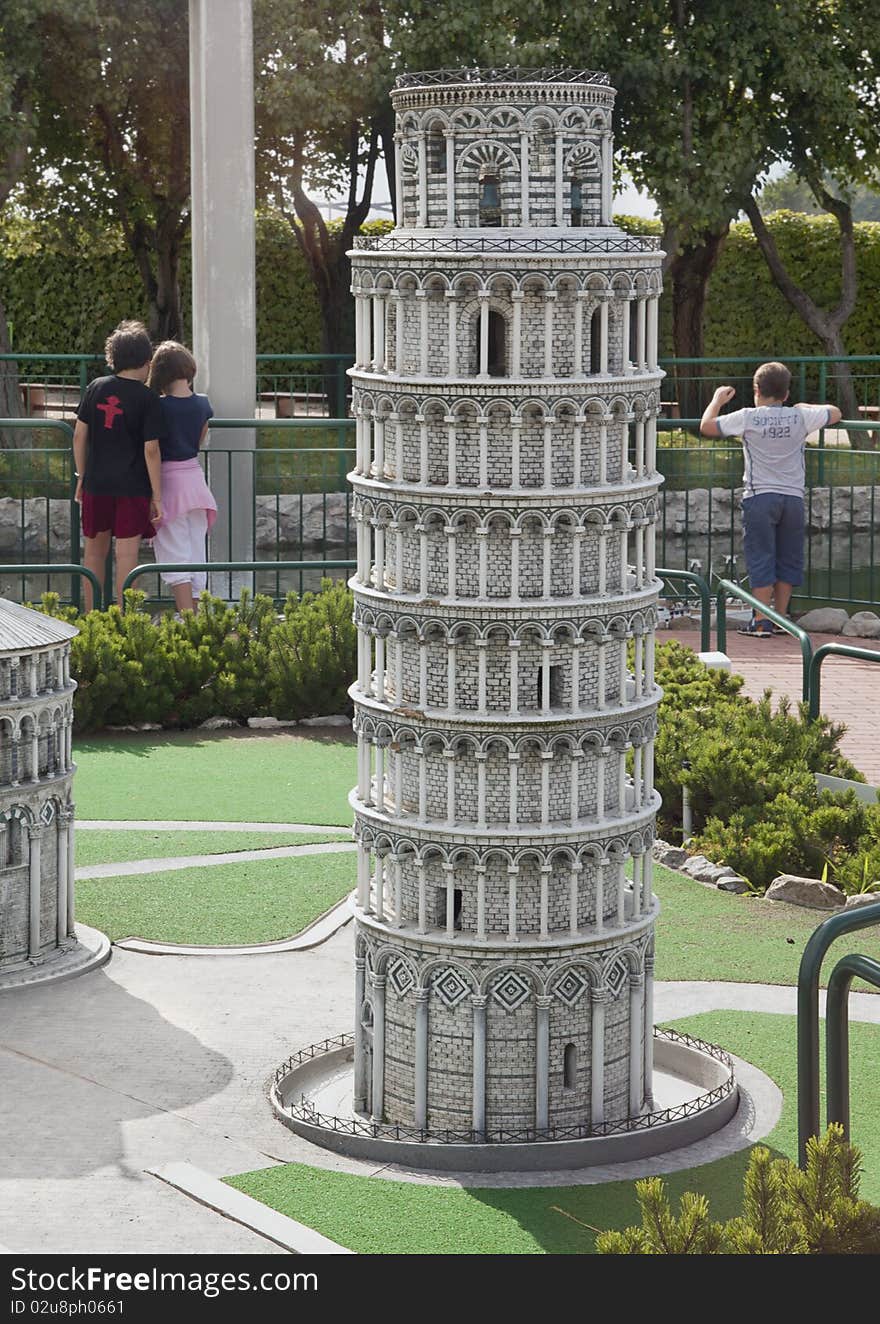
(152,1061)
(850,689)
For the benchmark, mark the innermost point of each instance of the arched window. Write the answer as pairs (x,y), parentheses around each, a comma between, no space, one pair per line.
(633,333)
(490,198)
(497,345)
(456,908)
(595,341)
(577,205)
(569,1067)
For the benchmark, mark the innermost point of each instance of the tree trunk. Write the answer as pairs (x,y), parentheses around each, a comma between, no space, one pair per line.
(166,314)
(826,324)
(690,270)
(10,394)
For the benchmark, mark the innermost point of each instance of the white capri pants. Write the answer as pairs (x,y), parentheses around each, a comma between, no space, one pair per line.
(180,540)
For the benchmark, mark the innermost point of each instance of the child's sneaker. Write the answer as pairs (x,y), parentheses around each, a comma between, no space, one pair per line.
(758,629)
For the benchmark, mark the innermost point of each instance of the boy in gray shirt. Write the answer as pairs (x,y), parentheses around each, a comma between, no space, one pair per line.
(774,436)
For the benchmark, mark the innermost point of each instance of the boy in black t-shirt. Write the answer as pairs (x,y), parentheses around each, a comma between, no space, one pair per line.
(117,456)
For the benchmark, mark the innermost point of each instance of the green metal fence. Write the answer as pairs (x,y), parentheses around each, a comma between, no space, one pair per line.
(814,376)
(700,525)
(311,385)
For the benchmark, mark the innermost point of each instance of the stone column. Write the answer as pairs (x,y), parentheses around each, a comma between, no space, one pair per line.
(480,871)
(512,879)
(577,756)
(422,299)
(398,181)
(600,896)
(223,261)
(421,1063)
(513,793)
(71,886)
(599,1001)
(398,891)
(516,337)
(549,306)
(651,333)
(449,884)
(636,1054)
(524,177)
(603,336)
(35,837)
(483,297)
(452,332)
(450,675)
(423,893)
(478,1002)
(542,1062)
(423,179)
(514,647)
(363,876)
(450,176)
(378,983)
(62,882)
(451,454)
(360,1063)
(624,334)
(544,916)
(558,178)
(573,887)
(641,361)
(449,755)
(649,1031)
(607,181)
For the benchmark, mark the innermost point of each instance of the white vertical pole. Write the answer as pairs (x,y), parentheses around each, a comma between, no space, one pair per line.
(516,334)
(223,257)
(558,175)
(423,180)
(450,177)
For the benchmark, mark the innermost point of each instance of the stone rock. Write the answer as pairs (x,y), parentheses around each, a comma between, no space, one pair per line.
(303,521)
(697,866)
(805,892)
(731,882)
(672,856)
(217,724)
(863,625)
(862,899)
(824,620)
(269,723)
(336,719)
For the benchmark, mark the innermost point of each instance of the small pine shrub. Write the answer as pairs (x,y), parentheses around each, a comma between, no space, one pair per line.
(785,1211)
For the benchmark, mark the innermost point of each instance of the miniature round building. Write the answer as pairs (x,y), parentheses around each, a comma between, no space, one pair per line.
(37,935)
(506,390)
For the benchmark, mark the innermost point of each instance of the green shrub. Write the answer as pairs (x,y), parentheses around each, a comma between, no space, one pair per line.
(223,661)
(785,1211)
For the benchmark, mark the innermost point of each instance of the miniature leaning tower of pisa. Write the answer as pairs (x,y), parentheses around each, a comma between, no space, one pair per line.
(505,390)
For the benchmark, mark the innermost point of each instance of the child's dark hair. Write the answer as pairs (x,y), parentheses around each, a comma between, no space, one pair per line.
(128,347)
(773,381)
(171,363)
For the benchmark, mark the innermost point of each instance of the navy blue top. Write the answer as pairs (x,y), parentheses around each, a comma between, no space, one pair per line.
(185,417)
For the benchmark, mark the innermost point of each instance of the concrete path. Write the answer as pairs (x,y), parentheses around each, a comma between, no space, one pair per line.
(168,863)
(198,825)
(155,1061)
(850,689)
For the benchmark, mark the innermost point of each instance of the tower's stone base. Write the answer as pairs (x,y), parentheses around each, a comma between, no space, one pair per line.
(695,1083)
(90,951)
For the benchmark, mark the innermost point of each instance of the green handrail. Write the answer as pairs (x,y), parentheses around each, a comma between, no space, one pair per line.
(848,921)
(281,423)
(726,589)
(827,650)
(59,569)
(178,567)
(847,969)
(704,592)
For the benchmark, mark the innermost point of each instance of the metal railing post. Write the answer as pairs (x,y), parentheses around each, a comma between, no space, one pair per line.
(255,567)
(815,672)
(734,591)
(808,1014)
(721,619)
(848,968)
(689,577)
(61,568)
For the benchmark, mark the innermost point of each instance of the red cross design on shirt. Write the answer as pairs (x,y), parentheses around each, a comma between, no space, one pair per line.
(110,410)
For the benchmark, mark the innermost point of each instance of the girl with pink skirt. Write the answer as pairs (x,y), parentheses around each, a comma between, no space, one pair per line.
(189,508)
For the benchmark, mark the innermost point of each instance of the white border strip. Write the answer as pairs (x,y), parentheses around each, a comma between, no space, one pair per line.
(172,863)
(199,825)
(240,1208)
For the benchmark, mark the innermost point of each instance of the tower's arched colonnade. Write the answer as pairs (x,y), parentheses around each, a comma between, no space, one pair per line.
(506,391)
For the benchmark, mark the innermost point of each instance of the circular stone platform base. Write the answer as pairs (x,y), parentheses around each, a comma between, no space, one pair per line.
(90,950)
(695,1095)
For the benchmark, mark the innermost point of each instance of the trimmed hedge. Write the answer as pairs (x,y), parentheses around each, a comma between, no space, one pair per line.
(67,301)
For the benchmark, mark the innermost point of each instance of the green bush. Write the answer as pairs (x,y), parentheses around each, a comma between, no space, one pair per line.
(750,772)
(221,661)
(64,298)
(785,1211)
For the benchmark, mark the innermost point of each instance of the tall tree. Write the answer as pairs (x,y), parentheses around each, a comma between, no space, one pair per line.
(837,136)
(23,29)
(323,73)
(114,131)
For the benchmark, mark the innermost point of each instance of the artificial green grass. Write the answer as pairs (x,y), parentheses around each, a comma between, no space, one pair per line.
(257,901)
(115,847)
(706,934)
(223,776)
(373,1216)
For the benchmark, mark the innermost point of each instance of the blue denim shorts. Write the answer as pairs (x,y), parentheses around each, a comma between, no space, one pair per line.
(773,539)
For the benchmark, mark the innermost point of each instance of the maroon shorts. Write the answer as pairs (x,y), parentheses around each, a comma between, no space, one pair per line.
(123,516)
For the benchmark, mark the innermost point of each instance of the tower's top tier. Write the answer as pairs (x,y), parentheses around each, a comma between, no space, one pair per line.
(504,148)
